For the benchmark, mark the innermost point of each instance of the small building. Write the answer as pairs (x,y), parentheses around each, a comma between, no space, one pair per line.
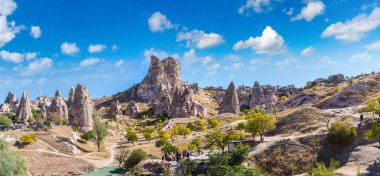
(248,142)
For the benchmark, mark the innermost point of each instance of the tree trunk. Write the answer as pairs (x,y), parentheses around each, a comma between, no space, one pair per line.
(261,137)
(98,146)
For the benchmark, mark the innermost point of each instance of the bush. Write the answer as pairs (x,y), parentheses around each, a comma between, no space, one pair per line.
(319,169)
(5,121)
(134,159)
(213,123)
(341,133)
(200,125)
(11,164)
(28,138)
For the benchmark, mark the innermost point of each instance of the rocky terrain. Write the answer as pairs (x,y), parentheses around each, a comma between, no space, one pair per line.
(163,101)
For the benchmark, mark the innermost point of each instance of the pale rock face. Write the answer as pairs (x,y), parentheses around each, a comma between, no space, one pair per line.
(80,113)
(244,97)
(58,106)
(198,109)
(115,110)
(43,112)
(132,109)
(257,98)
(12,101)
(230,102)
(181,104)
(24,110)
(71,97)
(5,108)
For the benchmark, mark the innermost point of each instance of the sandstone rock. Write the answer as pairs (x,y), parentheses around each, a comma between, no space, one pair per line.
(43,111)
(81,110)
(230,102)
(115,110)
(198,109)
(24,110)
(58,106)
(71,98)
(5,108)
(132,109)
(244,97)
(12,101)
(257,98)
(181,104)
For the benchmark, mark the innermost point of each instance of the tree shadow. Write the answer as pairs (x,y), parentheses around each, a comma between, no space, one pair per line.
(374,168)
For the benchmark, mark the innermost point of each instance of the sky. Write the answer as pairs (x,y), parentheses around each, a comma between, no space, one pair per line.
(106,44)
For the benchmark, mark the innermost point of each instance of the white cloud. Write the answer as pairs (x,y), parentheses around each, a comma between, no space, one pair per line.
(119,63)
(210,64)
(355,29)
(90,62)
(324,62)
(289,11)
(260,61)
(190,57)
(35,31)
(373,46)
(7,7)
(37,66)
(286,62)
(13,57)
(270,42)
(30,55)
(97,48)
(360,57)
(232,58)
(158,53)
(307,52)
(8,31)
(69,49)
(42,81)
(159,22)
(200,39)
(114,48)
(312,9)
(235,67)
(256,5)
(367,6)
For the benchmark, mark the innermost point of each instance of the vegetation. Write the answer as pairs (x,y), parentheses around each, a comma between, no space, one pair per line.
(134,159)
(37,115)
(5,121)
(284,98)
(11,164)
(259,123)
(87,136)
(341,133)
(184,131)
(319,169)
(100,130)
(28,138)
(132,137)
(371,106)
(200,125)
(219,139)
(213,123)
(374,133)
(166,146)
(164,134)
(148,136)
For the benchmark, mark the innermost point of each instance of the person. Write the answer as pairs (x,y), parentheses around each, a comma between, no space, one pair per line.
(361,117)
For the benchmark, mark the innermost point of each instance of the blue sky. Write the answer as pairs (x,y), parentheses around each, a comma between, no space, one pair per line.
(105,44)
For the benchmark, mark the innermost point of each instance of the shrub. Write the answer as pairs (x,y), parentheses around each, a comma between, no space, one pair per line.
(341,133)
(191,126)
(28,138)
(131,137)
(5,121)
(374,133)
(87,136)
(319,169)
(213,123)
(134,159)
(11,163)
(200,125)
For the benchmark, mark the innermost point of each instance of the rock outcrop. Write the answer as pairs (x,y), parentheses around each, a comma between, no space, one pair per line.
(162,88)
(230,102)
(5,108)
(58,106)
(12,101)
(115,110)
(43,111)
(132,109)
(25,110)
(71,98)
(80,113)
(257,98)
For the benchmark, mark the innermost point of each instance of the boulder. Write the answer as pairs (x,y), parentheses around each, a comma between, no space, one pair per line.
(230,102)
(80,113)
(12,101)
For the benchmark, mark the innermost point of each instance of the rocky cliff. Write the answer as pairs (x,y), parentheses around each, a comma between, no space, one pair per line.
(25,110)
(80,113)
(58,106)
(230,102)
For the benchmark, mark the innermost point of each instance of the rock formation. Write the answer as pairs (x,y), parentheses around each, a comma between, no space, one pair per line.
(5,108)
(43,111)
(257,98)
(25,110)
(80,113)
(132,109)
(115,110)
(230,102)
(58,106)
(71,98)
(12,101)
(162,89)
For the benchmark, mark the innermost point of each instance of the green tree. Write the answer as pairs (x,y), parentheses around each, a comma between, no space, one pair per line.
(100,131)
(86,136)
(374,133)
(200,125)
(134,159)
(132,137)
(165,146)
(148,136)
(5,121)
(11,164)
(371,106)
(191,126)
(259,123)
(218,139)
(184,131)
(213,123)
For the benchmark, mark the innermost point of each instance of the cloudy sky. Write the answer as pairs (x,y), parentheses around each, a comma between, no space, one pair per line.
(106,44)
